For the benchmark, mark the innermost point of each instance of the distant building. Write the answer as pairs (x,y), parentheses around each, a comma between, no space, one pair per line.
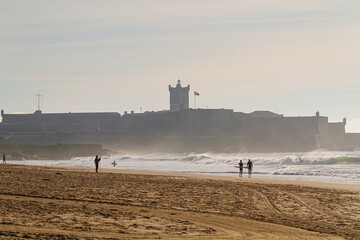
(181,129)
(179,97)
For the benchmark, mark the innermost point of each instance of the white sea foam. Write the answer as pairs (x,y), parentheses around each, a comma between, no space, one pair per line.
(348,173)
(317,166)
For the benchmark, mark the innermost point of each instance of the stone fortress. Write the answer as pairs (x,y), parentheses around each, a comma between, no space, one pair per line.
(181,129)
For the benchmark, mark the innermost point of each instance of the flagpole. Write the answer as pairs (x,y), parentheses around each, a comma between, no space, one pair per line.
(195,100)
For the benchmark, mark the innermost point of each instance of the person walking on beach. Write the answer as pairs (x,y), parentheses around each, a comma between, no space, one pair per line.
(249,166)
(4,158)
(96,161)
(241,165)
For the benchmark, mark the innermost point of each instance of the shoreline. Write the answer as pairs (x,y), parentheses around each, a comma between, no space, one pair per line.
(305,183)
(324,167)
(65,202)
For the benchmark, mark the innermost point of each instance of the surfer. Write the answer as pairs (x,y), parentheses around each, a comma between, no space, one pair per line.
(4,158)
(249,166)
(241,165)
(300,160)
(96,161)
(114,163)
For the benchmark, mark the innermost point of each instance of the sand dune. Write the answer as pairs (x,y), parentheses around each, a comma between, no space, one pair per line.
(64,203)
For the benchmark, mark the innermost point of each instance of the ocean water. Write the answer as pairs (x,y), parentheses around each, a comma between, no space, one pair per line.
(331,167)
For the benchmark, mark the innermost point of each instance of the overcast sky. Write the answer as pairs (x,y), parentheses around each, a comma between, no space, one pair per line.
(287,56)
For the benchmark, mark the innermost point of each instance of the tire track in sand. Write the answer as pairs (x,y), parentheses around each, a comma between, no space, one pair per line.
(267,202)
(300,200)
(315,207)
(226,227)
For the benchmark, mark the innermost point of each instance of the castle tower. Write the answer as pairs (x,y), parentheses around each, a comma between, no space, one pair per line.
(179,97)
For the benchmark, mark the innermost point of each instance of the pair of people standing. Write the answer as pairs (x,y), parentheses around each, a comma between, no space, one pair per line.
(249,167)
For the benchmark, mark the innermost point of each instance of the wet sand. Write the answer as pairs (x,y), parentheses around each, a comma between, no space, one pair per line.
(76,203)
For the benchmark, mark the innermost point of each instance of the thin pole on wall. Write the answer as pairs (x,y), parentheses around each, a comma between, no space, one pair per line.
(38,100)
(195,100)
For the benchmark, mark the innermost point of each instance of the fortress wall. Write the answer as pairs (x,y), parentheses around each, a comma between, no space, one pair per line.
(270,132)
(204,122)
(60,118)
(279,125)
(352,141)
(208,122)
(208,126)
(52,128)
(325,132)
(238,124)
(157,123)
(260,126)
(287,132)
(309,125)
(337,128)
(301,125)
(56,122)
(19,119)
(337,133)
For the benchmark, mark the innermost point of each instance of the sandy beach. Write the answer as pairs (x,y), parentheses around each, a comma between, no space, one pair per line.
(76,203)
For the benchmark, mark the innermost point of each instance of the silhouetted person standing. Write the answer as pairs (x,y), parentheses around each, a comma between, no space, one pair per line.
(96,161)
(241,165)
(249,166)
(4,158)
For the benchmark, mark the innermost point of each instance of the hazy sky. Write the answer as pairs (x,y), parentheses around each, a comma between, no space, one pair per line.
(288,56)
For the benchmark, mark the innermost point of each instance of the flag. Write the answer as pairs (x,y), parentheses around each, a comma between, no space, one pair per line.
(196,93)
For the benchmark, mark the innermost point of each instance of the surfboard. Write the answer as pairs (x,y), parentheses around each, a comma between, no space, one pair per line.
(239,167)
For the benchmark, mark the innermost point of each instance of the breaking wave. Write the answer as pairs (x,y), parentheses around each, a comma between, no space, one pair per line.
(262,159)
(322,166)
(316,166)
(339,173)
